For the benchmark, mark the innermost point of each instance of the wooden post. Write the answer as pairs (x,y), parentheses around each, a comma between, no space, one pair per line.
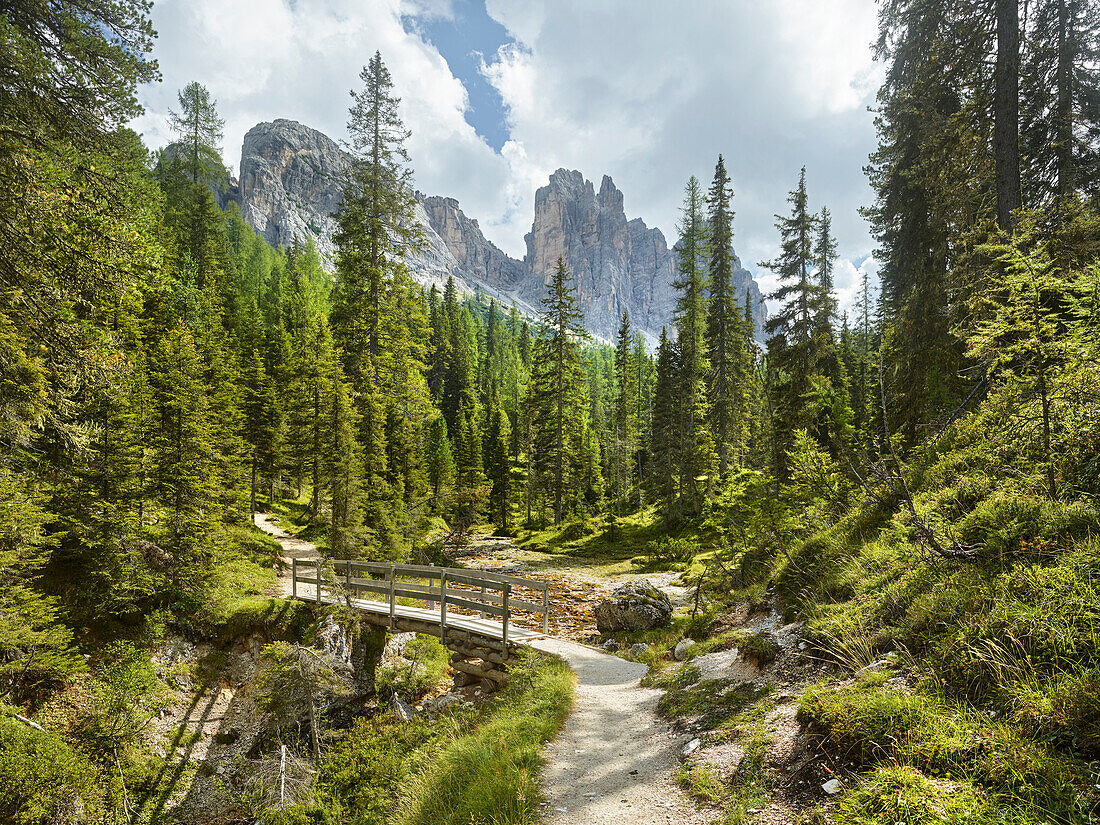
(347,579)
(317,578)
(481,613)
(443,601)
(545,606)
(294,578)
(393,599)
(507,613)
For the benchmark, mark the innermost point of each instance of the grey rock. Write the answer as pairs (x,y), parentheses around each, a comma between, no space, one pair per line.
(179,681)
(443,702)
(332,638)
(610,646)
(831,787)
(639,649)
(633,606)
(691,747)
(291,181)
(679,653)
(402,709)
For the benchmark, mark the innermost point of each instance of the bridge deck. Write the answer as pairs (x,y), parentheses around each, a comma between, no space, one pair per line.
(455,621)
(462,601)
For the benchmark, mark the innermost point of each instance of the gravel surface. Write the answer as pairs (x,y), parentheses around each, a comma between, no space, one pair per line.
(293,548)
(615,760)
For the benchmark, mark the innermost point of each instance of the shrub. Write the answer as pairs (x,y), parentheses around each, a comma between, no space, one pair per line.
(904,796)
(42,777)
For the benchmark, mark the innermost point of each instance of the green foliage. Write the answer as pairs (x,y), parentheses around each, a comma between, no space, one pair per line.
(43,779)
(428,665)
(491,773)
(366,771)
(869,724)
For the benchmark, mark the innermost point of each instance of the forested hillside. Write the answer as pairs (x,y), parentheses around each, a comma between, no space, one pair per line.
(915,473)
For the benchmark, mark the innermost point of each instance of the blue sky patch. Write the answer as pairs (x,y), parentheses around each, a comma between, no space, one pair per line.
(462,42)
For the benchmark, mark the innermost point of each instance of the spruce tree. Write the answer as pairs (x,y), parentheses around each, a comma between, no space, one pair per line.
(723,320)
(796,349)
(696,452)
(557,393)
(624,416)
(665,440)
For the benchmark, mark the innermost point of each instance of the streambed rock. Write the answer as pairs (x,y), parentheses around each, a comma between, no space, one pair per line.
(633,606)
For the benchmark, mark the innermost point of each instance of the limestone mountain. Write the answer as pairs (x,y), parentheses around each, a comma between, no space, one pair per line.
(290,183)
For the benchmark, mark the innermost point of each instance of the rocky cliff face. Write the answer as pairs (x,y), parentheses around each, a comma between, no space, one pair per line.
(619,265)
(291,178)
(290,183)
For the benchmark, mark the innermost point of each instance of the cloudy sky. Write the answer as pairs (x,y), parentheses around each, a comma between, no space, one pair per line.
(500,93)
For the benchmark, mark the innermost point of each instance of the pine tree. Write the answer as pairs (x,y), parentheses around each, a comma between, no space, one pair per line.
(825,262)
(497,464)
(199,132)
(625,421)
(665,440)
(796,350)
(557,392)
(439,458)
(696,452)
(1060,111)
(185,469)
(375,219)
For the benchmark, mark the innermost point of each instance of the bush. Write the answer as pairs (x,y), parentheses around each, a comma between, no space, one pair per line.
(42,778)
(364,772)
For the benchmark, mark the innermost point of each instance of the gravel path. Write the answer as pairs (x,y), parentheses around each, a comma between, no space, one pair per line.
(293,548)
(615,760)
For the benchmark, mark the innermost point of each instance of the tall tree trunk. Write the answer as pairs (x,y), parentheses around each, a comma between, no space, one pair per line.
(1006,112)
(1064,148)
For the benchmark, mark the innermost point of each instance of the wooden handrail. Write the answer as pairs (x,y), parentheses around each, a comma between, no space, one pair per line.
(492,597)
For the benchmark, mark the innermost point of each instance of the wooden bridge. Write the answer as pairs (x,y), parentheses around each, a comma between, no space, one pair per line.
(472,612)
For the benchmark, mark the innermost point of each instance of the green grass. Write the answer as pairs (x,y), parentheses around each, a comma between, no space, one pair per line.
(490,775)
(759,648)
(870,726)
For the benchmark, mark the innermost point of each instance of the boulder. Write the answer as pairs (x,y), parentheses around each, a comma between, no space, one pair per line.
(639,649)
(634,606)
(402,709)
(680,652)
(610,646)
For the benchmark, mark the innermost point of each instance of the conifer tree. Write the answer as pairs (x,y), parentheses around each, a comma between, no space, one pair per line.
(723,321)
(625,420)
(825,261)
(497,464)
(666,438)
(696,452)
(796,350)
(557,392)
(439,458)
(185,469)
(199,132)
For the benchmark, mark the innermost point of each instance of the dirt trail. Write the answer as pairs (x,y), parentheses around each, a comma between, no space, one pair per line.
(615,760)
(293,548)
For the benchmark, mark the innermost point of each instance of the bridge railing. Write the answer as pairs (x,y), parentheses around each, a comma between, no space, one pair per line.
(457,591)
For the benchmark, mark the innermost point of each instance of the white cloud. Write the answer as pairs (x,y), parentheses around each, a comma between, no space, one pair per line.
(644,90)
(266,59)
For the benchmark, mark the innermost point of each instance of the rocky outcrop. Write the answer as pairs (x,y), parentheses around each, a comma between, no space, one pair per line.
(617,264)
(479,260)
(633,606)
(291,179)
